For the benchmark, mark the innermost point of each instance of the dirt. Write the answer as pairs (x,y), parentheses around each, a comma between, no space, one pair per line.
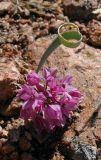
(26,30)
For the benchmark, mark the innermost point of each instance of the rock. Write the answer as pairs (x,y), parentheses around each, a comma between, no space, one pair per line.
(79,10)
(54,25)
(5,7)
(4,133)
(97,13)
(14,126)
(57,156)
(27,31)
(11,108)
(97,133)
(68,136)
(92,132)
(83,151)
(91,32)
(96,124)
(87,136)
(9,76)
(94,31)
(3,140)
(7,148)
(84,118)
(99,154)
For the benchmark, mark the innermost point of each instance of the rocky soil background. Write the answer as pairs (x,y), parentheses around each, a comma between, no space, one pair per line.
(27,27)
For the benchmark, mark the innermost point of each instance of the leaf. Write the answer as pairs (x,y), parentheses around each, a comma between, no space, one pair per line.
(70,38)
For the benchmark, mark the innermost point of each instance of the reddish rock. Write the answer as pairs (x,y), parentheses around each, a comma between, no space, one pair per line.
(97,133)
(54,25)
(68,136)
(88,137)
(9,51)
(97,126)
(11,109)
(9,76)
(5,6)
(84,118)
(26,30)
(91,32)
(94,31)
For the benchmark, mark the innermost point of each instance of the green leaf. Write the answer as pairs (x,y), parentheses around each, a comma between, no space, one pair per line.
(71,38)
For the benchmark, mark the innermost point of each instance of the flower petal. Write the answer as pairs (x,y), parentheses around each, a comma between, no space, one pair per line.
(33,78)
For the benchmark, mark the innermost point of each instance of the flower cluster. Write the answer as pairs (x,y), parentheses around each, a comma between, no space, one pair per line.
(48,100)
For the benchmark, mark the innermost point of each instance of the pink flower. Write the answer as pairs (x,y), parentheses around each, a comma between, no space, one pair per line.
(48,100)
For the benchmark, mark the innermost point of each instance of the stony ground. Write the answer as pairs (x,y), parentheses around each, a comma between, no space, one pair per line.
(26,29)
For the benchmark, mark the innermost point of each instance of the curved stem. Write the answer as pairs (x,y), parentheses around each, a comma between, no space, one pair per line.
(48,51)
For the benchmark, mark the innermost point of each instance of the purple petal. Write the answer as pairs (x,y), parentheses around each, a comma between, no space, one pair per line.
(75,93)
(47,72)
(65,111)
(27,113)
(67,79)
(25,92)
(33,78)
(72,103)
(54,115)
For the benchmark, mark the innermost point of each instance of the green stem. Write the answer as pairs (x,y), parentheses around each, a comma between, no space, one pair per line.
(56,43)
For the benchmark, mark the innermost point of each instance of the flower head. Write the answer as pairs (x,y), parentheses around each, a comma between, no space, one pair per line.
(48,100)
